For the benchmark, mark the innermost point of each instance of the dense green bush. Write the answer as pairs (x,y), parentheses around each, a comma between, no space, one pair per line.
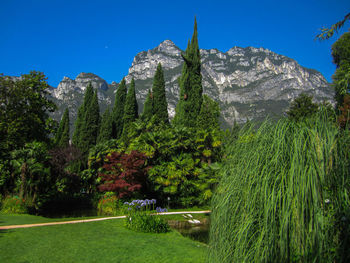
(139,217)
(108,204)
(284,195)
(13,205)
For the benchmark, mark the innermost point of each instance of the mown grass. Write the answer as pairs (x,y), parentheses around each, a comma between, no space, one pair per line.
(104,241)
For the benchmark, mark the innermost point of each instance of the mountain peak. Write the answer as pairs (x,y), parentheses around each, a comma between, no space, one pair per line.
(168,46)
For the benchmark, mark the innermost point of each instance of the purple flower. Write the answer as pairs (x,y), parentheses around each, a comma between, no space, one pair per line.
(126,203)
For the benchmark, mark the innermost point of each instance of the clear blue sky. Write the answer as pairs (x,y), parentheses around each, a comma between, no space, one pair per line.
(64,38)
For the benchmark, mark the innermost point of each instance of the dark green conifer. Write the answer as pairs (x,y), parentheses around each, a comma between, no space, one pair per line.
(118,110)
(79,123)
(209,114)
(189,105)
(91,124)
(62,135)
(131,107)
(105,132)
(148,108)
(160,105)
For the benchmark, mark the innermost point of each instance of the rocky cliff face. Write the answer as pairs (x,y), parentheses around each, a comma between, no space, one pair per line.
(70,93)
(248,83)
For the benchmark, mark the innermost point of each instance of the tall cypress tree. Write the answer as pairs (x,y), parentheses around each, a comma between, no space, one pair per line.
(91,124)
(131,107)
(62,135)
(148,108)
(189,105)
(118,110)
(160,105)
(105,132)
(79,123)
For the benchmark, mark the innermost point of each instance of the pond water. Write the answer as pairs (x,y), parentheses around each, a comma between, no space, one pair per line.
(198,232)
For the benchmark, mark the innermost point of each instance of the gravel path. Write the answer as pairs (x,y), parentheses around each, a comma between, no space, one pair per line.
(95,219)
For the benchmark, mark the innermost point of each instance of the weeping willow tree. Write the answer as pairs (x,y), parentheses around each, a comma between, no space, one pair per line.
(284,195)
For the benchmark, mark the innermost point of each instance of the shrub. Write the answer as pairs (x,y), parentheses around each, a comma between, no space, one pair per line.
(283,196)
(139,217)
(108,204)
(13,205)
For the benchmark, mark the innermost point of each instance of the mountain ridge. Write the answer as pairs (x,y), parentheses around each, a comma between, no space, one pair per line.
(248,83)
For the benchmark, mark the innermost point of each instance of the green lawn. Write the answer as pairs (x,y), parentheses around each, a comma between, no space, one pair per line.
(103,241)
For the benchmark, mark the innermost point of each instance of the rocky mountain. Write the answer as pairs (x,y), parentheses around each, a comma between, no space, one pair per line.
(248,83)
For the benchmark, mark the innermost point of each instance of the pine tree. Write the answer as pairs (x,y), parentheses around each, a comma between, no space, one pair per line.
(62,135)
(148,108)
(160,105)
(118,110)
(189,105)
(89,93)
(105,132)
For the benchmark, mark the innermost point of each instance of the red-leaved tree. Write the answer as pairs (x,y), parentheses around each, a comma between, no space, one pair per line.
(123,173)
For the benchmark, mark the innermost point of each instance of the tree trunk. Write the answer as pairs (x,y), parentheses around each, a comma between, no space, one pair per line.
(22,190)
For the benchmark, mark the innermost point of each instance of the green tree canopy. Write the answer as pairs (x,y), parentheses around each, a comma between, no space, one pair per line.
(24,109)
(341,50)
(341,77)
(302,107)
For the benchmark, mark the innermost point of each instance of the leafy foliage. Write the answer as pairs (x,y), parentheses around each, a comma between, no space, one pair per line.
(108,204)
(24,111)
(341,49)
(139,217)
(329,32)
(63,179)
(123,173)
(181,160)
(341,77)
(13,205)
(302,107)
(32,171)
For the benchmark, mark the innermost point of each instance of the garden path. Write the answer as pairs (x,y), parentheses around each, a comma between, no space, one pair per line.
(94,219)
